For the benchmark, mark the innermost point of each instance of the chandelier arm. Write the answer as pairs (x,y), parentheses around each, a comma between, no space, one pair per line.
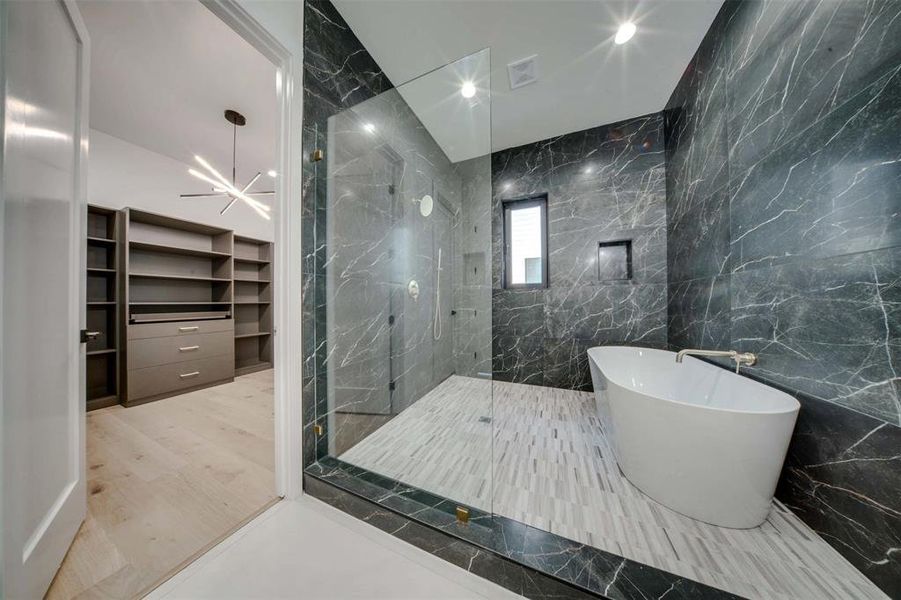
(229,205)
(251,182)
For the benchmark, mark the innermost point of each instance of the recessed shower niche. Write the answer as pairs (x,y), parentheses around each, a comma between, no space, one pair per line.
(615,260)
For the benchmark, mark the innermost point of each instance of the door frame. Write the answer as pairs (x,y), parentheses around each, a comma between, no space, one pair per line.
(287,286)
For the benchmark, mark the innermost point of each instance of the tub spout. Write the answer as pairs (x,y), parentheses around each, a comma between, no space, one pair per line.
(740,358)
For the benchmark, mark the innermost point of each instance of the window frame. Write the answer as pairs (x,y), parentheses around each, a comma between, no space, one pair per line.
(507,206)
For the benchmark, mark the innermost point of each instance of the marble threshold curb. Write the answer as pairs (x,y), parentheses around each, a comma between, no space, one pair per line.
(521,558)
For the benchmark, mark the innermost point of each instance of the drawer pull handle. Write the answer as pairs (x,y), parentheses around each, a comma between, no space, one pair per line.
(188,348)
(186,329)
(187,375)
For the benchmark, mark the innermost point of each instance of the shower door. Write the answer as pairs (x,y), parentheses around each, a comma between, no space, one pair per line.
(361,286)
(405,350)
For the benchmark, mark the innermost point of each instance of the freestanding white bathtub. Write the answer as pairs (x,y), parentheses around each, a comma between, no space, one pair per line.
(695,437)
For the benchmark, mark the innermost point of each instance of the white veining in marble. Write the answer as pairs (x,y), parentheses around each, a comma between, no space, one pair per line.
(555,471)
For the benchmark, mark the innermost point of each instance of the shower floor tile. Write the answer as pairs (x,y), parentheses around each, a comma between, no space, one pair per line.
(553,469)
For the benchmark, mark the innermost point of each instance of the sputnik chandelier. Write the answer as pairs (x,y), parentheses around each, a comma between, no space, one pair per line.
(224,187)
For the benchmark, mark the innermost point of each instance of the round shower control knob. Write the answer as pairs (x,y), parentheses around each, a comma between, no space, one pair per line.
(413,289)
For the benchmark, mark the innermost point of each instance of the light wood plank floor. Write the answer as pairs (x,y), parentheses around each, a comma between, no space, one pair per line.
(165,480)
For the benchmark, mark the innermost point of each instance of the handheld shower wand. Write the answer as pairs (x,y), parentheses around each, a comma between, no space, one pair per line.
(436,324)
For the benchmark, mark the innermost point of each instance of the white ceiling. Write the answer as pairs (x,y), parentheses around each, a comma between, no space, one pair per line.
(585,79)
(163,73)
(461,126)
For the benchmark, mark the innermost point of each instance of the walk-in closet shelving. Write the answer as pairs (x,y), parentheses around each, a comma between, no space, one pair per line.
(252,305)
(102,289)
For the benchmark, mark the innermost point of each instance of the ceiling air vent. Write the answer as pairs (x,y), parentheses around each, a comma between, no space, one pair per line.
(523,72)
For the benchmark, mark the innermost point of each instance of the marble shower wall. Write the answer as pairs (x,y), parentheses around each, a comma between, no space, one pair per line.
(338,74)
(783,177)
(369,347)
(381,353)
(602,184)
(472,270)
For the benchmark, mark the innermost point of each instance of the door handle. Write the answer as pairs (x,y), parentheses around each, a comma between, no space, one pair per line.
(188,348)
(88,336)
(187,375)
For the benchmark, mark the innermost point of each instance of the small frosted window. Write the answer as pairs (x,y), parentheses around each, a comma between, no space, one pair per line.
(525,242)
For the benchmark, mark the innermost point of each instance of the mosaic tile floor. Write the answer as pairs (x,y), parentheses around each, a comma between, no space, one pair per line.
(554,470)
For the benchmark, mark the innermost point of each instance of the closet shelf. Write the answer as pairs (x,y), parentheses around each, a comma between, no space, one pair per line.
(178,277)
(256,261)
(197,303)
(101,240)
(241,336)
(171,249)
(100,303)
(100,271)
(101,352)
(248,280)
(252,302)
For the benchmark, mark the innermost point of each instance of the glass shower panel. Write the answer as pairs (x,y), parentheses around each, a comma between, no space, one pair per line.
(407,332)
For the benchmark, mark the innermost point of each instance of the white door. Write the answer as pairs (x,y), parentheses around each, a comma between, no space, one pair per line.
(42,213)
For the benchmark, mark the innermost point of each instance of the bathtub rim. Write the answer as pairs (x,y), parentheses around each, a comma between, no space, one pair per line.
(795,405)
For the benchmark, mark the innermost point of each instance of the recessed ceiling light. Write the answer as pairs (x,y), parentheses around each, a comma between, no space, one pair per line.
(625,33)
(369,127)
(271,173)
(468,90)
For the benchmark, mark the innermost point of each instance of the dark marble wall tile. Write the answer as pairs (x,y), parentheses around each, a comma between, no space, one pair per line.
(829,191)
(518,359)
(698,241)
(338,73)
(827,328)
(843,474)
(794,62)
(698,313)
(605,184)
(783,148)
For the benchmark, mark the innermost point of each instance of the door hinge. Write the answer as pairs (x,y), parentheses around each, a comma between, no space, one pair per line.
(316,155)
(317,429)
(391,386)
(462,514)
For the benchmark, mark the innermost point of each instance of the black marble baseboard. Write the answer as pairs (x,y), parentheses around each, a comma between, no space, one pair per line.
(526,560)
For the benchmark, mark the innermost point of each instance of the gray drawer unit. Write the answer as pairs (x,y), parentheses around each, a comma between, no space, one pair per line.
(154,382)
(155,351)
(178,328)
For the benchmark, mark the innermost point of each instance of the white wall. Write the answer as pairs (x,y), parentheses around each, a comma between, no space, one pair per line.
(122,174)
